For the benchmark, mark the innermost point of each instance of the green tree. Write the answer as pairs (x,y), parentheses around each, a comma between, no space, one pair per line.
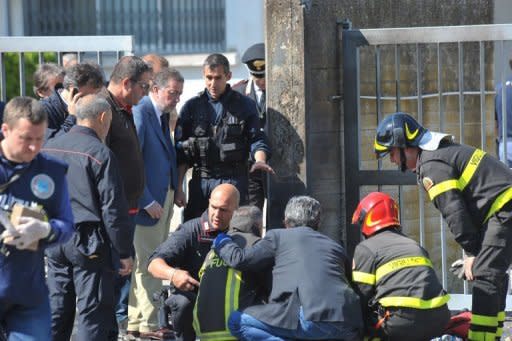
(12,71)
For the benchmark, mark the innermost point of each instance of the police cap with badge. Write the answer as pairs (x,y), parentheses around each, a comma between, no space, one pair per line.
(254,59)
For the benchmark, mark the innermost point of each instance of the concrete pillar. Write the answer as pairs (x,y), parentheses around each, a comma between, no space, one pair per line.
(285,104)
(304,80)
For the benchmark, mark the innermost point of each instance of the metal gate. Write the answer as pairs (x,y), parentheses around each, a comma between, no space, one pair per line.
(444,76)
(104,50)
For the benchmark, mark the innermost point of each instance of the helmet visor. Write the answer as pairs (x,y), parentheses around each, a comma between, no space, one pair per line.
(381,150)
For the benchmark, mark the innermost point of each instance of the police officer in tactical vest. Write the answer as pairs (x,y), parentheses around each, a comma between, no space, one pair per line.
(215,133)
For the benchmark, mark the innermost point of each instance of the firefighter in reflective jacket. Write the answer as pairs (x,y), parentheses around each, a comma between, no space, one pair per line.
(222,289)
(473,192)
(401,296)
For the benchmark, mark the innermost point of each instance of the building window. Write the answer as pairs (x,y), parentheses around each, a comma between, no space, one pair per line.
(161,26)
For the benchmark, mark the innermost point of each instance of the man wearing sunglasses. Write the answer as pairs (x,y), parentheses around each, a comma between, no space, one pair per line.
(129,83)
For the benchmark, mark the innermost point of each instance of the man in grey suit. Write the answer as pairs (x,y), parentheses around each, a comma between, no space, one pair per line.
(311,296)
(151,117)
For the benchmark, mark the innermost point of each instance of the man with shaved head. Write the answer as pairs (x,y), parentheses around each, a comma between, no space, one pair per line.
(156,62)
(102,224)
(180,257)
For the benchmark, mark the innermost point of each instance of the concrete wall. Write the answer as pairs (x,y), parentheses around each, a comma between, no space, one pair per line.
(304,75)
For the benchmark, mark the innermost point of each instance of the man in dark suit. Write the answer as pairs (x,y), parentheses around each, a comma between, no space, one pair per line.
(311,297)
(151,117)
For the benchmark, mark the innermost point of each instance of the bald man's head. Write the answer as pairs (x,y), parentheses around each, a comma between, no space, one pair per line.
(157,62)
(224,201)
(91,106)
(93,111)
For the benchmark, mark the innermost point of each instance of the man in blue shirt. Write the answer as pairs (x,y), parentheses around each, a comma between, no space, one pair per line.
(38,182)
(499,119)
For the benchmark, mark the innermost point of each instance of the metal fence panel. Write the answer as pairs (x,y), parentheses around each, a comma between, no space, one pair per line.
(442,76)
(105,50)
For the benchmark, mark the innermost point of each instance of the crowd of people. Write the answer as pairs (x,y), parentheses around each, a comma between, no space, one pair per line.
(91,172)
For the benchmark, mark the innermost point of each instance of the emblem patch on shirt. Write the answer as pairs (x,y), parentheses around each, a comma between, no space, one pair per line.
(42,186)
(427,183)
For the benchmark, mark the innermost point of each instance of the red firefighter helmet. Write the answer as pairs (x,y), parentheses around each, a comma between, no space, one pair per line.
(377,211)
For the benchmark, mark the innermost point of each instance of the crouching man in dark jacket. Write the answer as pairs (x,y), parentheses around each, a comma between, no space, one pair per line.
(181,256)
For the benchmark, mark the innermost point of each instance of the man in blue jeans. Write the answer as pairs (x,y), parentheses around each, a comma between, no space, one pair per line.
(311,298)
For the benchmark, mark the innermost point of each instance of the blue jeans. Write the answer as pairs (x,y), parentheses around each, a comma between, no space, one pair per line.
(246,327)
(26,323)
(122,286)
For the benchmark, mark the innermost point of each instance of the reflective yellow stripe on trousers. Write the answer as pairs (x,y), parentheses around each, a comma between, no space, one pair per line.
(485,321)
(481,336)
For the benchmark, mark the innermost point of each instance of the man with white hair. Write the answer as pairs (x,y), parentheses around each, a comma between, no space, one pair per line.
(311,297)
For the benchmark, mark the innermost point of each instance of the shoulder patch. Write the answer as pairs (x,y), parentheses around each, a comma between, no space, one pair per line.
(427,183)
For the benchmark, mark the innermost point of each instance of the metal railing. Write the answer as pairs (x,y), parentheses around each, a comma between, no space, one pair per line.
(105,50)
(444,77)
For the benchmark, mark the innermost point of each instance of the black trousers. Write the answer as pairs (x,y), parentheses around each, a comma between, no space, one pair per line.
(181,304)
(73,277)
(257,188)
(413,324)
(491,280)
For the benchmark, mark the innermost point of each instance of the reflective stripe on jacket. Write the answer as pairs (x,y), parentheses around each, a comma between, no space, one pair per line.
(467,186)
(392,270)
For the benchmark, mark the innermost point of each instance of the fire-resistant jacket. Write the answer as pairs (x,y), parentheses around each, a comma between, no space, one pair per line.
(392,270)
(223,290)
(467,186)
(188,246)
(95,188)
